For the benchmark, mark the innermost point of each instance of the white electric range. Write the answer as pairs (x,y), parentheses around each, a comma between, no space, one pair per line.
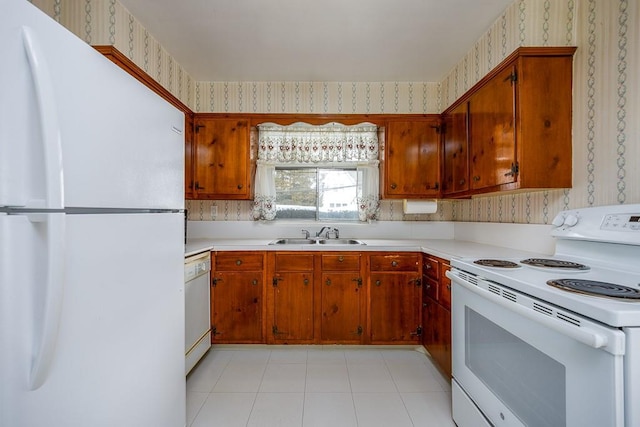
(553,340)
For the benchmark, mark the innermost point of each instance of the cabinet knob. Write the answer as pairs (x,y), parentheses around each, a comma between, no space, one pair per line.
(427,267)
(240,186)
(462,181)
(328,282)
(394,186)
(306,282)
(254,282)
(341,259)
(378,283)
(394,263)
(476,178)
(238,262)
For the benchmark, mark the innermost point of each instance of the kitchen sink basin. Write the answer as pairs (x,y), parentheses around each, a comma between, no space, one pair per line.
(294,241)
(340,242)
(299,241)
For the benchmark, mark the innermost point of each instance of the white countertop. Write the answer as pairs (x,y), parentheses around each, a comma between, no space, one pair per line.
(442,248)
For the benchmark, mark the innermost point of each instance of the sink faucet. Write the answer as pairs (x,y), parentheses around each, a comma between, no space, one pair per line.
(306,233)
(329,230)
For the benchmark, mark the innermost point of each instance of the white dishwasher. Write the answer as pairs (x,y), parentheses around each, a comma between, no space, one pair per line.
(197,270)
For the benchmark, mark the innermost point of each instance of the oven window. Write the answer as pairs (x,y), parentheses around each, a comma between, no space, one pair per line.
(529,382)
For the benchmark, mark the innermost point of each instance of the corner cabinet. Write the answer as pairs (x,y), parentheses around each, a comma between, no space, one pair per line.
(436,311)
(518,128)
(455,150)
(222,163)
(410,161)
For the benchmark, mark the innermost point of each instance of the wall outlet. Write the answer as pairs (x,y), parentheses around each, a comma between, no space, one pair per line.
(214,211)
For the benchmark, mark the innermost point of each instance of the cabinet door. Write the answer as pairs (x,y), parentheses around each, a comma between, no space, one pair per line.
(411,166)
(491,128)
(455,151)
(222,163)
(395,307)
(188,157)
(441,347)
(292,320)
(341,296)
(236,307)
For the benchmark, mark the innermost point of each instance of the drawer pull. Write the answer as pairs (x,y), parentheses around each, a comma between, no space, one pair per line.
(394,263)
(341,259)
(239,262)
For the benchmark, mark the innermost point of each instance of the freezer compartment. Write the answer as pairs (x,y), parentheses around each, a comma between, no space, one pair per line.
(76,130)
(117,318)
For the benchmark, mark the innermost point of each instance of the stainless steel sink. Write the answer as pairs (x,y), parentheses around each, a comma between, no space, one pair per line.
(340,242)
(293,241)
(299,241)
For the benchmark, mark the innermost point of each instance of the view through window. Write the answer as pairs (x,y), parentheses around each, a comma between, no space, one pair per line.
(317,193)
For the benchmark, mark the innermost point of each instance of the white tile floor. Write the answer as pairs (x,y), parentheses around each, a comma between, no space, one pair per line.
(323,386)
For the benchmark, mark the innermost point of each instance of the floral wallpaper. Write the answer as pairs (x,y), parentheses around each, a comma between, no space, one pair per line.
(606,142)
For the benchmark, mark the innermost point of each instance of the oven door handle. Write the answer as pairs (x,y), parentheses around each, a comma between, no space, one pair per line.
(581,334)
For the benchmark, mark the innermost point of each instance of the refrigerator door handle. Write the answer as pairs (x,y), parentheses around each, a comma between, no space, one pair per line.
(48,124)
(48,323)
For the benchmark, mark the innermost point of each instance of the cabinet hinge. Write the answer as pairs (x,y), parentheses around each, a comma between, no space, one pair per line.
(418,332)
(512,78)
(359,331)
(275,281)
(197,128)
(275,331)
(214,331)
(359,280)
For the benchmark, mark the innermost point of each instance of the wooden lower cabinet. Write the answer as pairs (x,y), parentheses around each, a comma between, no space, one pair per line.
(436,314)
(290,298)
(341,299)
(237,303)
(395,299)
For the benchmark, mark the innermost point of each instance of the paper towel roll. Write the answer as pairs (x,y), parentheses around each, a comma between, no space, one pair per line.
(420,206)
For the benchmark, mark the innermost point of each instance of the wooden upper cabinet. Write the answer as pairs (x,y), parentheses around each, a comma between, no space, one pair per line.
(222,163)
(455,157)
(188,157)
(520,123)
(493,143)
(411,161)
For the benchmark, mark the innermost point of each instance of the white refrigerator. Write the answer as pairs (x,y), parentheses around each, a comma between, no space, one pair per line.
(91,236)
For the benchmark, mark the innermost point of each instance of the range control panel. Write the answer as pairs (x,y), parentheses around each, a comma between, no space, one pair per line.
(621,222)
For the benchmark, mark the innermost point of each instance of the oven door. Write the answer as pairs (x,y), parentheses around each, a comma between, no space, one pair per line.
(526,362)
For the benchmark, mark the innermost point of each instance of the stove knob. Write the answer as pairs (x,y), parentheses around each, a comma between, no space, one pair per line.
(570,220)
(558,220)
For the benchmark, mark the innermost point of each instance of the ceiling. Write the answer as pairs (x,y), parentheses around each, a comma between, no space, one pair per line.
(312,40)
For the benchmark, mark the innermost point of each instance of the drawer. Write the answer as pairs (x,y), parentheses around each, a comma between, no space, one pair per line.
(431,267)
(444,297)
(404,262)
(339,262)
(294,262)
(234,261)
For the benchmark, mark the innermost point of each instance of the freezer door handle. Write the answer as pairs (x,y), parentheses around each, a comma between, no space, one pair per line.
(48,322)
(48,124)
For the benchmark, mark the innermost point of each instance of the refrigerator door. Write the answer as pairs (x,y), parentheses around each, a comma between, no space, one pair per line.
(92,320)
(76,130)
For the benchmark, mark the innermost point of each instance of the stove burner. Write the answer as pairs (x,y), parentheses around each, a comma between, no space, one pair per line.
(554,263)
(599,289)
(500,263)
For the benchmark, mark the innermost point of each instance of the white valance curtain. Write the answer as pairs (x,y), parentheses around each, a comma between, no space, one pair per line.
(329,145)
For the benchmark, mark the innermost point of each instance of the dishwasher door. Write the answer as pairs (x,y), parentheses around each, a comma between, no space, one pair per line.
(197,308)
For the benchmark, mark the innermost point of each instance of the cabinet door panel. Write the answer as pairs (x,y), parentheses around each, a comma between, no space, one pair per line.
(341,301)
(222,158)
(236,301)
(455,147)
(292,307)
(395,307)
(492,122)
(411,166)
